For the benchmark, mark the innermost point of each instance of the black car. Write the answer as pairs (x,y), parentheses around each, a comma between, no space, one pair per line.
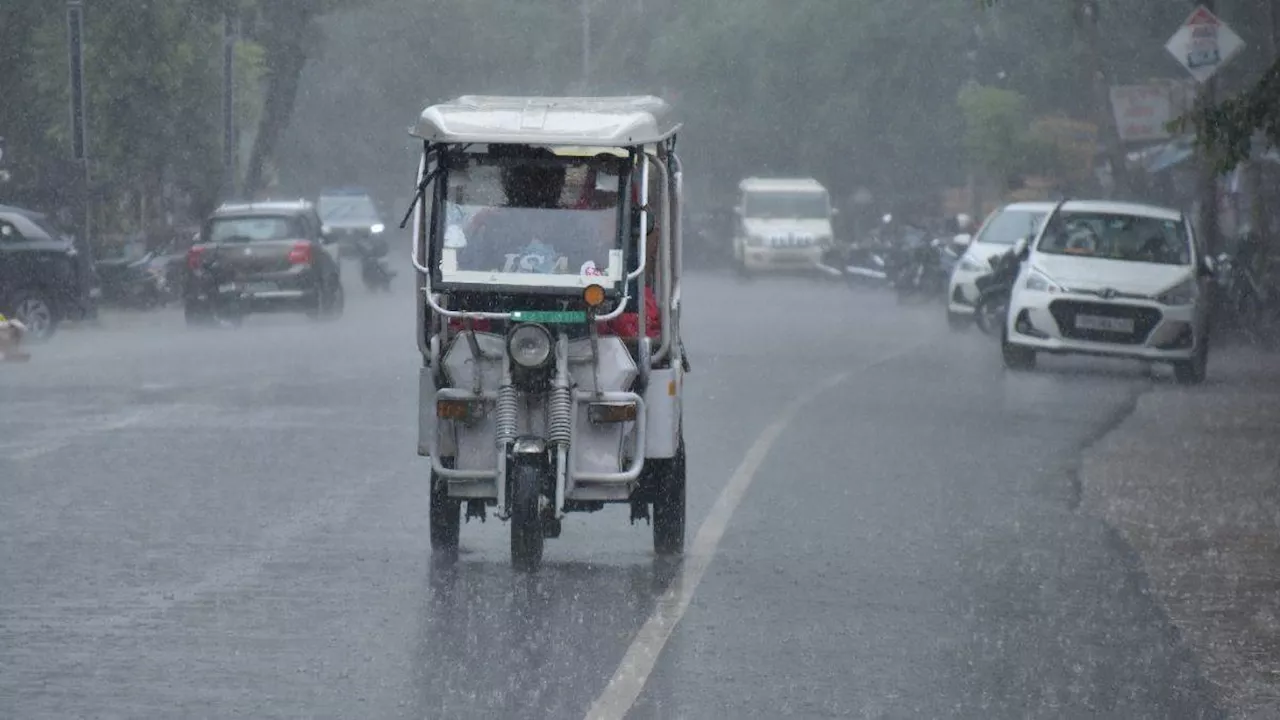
(44,277)
(352,218)
(262,257)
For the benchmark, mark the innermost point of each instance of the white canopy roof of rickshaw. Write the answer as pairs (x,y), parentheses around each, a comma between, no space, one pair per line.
(557,121)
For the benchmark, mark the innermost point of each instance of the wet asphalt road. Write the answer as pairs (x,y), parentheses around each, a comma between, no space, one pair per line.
(234,524)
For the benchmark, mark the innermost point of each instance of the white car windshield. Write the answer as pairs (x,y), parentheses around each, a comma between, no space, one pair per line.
(347,209)
(1115,236)
(787,205)
(550,219)
(1009,226)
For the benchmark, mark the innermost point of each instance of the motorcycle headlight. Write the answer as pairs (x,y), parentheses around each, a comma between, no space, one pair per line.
(1184,293)
(1038,282)
(969,264)
(529,346)
(377,228)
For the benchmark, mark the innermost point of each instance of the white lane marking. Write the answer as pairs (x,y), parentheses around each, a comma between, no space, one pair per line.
(632,674)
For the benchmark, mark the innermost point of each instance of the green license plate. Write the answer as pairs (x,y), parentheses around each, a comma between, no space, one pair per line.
(550,316)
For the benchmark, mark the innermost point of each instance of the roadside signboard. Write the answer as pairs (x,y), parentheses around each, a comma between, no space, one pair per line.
(1143,112)
(1204,44)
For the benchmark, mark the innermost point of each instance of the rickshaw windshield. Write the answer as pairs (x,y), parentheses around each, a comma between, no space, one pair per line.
(545,221)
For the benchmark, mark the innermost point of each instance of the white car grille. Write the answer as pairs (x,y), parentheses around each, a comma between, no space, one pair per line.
(790,241)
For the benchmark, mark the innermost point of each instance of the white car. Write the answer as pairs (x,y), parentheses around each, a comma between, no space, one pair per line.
(1112,279)
(1004,227)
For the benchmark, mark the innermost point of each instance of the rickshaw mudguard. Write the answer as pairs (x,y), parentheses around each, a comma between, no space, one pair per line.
(662,407)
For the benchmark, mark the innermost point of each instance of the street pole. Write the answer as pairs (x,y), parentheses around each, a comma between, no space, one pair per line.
(228,106)
(79,131)
(1207,180)
(1104,118)
(586,46)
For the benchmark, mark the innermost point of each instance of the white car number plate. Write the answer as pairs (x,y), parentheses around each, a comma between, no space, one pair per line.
(1098,322)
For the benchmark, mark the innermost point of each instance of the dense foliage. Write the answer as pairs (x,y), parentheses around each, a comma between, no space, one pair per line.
(904,97)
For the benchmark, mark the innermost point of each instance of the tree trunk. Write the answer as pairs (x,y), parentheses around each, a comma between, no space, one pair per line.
(287,27)
(1103,116)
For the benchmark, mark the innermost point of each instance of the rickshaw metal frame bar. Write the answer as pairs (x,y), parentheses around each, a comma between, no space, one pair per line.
(581,397)
(664,255)
(562,381)
(423,241)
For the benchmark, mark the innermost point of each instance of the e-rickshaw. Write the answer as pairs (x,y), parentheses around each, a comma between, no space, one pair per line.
(548,253)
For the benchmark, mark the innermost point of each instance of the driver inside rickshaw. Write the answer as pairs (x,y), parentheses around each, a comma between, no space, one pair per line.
(573,235)
(535,230)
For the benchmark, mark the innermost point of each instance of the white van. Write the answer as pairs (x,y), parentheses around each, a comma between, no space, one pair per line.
(783,223)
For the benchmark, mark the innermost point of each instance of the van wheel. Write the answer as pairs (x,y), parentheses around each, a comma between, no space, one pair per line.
(669,504)
(527,533)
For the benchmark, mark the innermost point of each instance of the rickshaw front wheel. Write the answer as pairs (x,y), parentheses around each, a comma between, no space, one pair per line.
(446,517)
(669,504)
(527,533)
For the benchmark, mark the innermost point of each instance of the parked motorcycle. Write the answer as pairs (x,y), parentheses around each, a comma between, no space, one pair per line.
(923,269)
(860,260)
(995,288)
(374,270)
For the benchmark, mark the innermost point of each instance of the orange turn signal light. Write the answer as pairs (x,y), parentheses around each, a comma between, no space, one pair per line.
(603,413)
(454,409)
(593,295)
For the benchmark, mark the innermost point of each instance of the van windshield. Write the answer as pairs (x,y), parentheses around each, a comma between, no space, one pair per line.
(787,205)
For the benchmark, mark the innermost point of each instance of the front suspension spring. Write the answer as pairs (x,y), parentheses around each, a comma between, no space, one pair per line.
(560,415)
(507,414)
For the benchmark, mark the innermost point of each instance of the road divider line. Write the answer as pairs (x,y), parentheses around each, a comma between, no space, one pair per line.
(637,664)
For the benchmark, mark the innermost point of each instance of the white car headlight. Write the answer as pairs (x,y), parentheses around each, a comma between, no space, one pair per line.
(1039,282)
(377,228)
(1184,293)
(529,345)
(970,264)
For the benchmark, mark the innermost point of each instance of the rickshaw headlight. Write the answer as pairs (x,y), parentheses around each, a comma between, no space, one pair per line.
(529,345)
